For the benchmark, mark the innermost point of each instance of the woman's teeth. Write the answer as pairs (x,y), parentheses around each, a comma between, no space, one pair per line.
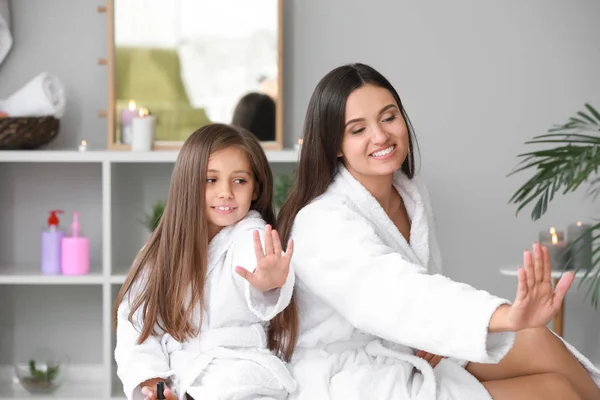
(383,152)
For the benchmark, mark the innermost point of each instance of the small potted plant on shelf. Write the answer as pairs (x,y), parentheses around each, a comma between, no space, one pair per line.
(152,219)
(281,188)
(42,374)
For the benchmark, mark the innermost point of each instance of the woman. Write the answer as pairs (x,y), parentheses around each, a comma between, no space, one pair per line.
(377,319)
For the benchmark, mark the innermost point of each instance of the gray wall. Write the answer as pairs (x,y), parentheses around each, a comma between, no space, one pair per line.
(478,80)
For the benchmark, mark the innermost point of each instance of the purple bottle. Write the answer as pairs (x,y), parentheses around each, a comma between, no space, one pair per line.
(51,243)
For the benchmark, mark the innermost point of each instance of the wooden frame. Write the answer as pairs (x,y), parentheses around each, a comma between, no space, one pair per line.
(109,61)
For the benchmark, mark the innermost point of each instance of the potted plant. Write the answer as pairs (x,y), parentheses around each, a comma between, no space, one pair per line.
(152,219)
(281,188)
(42,372)
(570,158)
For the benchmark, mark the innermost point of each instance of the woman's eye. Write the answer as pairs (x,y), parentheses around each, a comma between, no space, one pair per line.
(211,180)
(359,130)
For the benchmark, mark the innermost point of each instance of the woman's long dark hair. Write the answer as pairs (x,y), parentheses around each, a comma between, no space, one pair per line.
(322,139)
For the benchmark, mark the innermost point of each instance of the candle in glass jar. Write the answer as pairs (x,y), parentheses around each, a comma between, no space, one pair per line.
(546,236)
(558,253)
(126,116)
(142,133)
(580,240)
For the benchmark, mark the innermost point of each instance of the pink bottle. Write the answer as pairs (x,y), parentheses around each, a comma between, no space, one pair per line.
(75,251)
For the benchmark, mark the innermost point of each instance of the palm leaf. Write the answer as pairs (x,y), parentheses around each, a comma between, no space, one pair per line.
(573,161)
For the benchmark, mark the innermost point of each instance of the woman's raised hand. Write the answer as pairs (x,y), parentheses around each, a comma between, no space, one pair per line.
(537,302)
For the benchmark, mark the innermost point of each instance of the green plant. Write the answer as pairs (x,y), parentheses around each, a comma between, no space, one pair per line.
(571,158)
(152,219)
(281,188)
(38,375)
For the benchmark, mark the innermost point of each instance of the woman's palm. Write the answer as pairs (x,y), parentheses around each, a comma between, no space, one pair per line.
(537,301)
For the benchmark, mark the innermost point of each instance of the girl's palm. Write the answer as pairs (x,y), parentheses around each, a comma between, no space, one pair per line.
(272,267)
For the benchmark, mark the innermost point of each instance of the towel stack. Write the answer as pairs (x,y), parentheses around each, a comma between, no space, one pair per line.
(44,95)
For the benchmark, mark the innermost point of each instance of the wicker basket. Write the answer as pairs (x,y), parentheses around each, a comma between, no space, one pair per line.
(27,133)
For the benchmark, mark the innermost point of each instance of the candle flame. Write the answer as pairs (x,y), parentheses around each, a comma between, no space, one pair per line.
(83,143)
(300,141)
(554,238)
(131,105)
(143,112)
(552,230)
(579,223)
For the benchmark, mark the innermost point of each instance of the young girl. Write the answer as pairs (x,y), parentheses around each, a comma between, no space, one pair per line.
(194,309)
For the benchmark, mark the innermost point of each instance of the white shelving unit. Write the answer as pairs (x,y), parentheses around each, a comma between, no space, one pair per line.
(72,315)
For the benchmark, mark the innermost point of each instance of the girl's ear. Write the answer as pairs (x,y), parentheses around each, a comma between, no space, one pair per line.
(255,193)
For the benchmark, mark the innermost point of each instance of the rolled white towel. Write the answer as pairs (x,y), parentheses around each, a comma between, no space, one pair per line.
(42,96)
(6,39)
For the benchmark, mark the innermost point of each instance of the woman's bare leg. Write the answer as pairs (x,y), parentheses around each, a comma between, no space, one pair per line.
(533,387)
(538,351)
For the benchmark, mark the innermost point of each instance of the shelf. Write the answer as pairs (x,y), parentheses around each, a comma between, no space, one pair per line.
(82,382)
(15,277)
(70,156)
(30,276)
(117,279)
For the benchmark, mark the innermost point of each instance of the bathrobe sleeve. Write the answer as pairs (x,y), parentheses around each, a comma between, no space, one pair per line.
(137,363)
(339,258)
(264,305)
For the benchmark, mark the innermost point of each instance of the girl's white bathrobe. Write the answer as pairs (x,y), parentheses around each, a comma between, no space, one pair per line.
(368,300)
(230,358)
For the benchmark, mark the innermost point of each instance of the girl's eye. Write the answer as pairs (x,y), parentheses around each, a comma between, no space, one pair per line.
(211,180)
(390,119)
(356,131)
(240,181)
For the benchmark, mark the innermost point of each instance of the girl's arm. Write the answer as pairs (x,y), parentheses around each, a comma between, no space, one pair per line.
(137,363)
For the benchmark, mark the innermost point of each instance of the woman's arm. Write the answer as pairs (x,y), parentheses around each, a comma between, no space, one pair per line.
(340,259)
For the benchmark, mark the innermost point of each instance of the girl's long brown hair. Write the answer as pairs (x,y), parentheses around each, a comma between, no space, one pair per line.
(171,269)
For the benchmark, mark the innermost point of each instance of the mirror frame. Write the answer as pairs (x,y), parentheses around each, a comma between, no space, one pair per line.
(111,82)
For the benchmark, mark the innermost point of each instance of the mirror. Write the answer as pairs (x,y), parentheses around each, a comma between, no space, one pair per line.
(186,63)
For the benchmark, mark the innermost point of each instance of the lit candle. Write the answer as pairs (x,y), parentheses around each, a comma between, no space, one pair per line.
(557,252)
(83,146)
(126,116)
(142,131)
(580,240)
(546,236)
(298,146)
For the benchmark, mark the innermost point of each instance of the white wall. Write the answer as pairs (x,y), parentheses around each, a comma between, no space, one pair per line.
(478,80)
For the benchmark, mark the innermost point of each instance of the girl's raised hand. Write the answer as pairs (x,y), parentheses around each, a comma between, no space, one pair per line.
(273,265)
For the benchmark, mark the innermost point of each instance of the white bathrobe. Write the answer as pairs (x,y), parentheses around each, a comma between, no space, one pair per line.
(229,359)
(368,300)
